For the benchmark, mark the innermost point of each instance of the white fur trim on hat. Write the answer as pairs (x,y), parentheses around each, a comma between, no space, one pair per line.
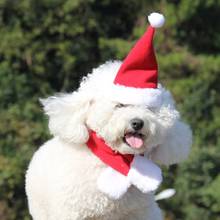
(156,20)
(100,84)
(136,96)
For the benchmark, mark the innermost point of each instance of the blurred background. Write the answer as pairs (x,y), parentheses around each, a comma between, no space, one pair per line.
(46,46)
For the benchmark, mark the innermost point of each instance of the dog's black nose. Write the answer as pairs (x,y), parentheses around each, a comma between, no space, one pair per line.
(137,124)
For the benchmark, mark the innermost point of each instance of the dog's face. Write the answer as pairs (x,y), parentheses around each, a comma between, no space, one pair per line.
(129,129)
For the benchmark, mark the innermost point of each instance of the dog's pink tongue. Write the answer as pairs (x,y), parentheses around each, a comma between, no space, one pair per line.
(134,141)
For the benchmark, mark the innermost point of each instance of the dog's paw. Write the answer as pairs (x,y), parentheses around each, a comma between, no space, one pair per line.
(113,183)
(144,174)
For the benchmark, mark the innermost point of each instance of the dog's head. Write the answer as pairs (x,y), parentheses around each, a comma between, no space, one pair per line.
(129,129)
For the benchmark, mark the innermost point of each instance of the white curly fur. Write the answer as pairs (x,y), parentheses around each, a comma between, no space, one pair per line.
(61,181)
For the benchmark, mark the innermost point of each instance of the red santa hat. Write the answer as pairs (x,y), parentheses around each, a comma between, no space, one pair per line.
(136,81)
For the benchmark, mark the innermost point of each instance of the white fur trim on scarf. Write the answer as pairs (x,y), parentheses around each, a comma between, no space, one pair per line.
(113,183)
(144,174)
(136,96)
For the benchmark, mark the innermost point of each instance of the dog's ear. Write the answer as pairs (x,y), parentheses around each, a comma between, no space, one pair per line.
(67,115)
(176,145)
(177,136)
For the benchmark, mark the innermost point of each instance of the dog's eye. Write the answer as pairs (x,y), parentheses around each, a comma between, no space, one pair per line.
(152,109)
(119,105)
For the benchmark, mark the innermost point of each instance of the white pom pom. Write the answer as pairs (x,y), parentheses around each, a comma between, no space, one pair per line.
(156,20)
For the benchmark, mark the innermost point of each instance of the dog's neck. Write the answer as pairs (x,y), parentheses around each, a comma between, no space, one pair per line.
(117,161)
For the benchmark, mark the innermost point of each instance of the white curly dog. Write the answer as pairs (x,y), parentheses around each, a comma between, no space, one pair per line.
(61,181)
(108,137)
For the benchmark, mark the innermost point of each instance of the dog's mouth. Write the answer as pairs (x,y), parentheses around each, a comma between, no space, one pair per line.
(134,139)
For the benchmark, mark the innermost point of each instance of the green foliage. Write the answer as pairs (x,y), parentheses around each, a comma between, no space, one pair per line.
(198,18)
(46,46)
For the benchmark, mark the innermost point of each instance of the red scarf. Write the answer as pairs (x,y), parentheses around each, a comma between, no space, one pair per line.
(117,161)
